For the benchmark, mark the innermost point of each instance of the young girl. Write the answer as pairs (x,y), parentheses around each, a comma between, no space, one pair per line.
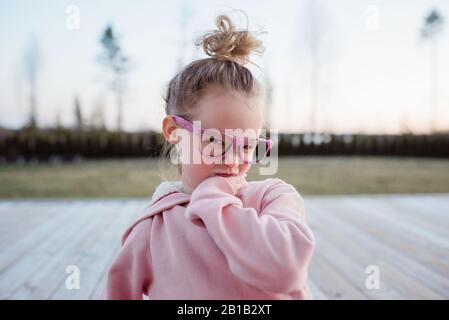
(212,234)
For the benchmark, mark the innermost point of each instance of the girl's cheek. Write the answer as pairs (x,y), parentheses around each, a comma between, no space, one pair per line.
(196,173)
(244,168)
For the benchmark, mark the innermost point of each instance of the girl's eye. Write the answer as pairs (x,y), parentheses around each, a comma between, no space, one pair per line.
(215,140)
(249,147)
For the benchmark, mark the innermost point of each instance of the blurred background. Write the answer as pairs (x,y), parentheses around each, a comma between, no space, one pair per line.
(357,90)
(356,87)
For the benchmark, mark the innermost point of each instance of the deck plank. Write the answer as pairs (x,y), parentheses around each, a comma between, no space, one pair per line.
(355,214)
(420,249)
(367,250)
(406,236)
(94,261)
(61,240)
(28,217)
(346,256)
(79,241)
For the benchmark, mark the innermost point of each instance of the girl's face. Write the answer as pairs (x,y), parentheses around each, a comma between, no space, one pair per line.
(222,109)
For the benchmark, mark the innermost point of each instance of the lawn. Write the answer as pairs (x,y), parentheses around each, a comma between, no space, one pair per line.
(310,175)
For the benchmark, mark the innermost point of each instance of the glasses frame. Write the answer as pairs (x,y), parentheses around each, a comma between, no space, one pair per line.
(236,141)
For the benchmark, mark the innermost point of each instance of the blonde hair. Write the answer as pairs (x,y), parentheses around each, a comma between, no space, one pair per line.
(229,50)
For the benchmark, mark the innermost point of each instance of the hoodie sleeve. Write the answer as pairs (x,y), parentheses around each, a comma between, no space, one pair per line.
(130,275)
(270,250)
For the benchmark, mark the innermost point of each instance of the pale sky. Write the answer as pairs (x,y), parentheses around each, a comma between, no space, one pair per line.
(374,75)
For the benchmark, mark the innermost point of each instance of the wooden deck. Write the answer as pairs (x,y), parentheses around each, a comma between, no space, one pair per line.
(405,236)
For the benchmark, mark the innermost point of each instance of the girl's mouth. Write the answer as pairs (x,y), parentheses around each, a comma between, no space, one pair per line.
(224,174)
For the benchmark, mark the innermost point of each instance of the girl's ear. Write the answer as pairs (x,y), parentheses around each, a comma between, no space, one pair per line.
(168,130)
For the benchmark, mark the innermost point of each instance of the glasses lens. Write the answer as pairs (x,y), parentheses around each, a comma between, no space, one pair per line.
(213,145)
(254,150)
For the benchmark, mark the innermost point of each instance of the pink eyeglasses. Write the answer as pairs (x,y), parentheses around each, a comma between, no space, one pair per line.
(213,146)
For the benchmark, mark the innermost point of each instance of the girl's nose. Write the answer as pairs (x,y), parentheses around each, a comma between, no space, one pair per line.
(232,158)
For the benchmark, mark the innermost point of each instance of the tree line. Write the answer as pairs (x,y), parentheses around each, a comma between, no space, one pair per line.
(69,144)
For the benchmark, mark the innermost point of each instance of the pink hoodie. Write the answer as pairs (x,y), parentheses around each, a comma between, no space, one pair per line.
(214,245)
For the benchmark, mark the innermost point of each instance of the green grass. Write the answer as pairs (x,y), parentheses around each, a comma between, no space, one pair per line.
(310,175)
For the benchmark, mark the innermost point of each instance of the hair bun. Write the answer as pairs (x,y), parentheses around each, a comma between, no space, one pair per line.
(227,43)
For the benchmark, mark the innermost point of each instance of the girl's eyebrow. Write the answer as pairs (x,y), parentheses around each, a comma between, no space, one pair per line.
(191,123)
(226,133)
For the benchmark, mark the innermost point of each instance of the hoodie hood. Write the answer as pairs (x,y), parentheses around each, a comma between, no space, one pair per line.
(165,188)
(166,195)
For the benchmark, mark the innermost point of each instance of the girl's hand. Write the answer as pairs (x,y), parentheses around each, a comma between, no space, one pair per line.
(237,182)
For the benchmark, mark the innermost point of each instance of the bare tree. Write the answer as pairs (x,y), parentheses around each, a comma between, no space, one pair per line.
(186,15)
(268,85)
(433,25)
(79,121)
(97,118)
(314,25)
(33,63)
(118,64)
(58,121)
